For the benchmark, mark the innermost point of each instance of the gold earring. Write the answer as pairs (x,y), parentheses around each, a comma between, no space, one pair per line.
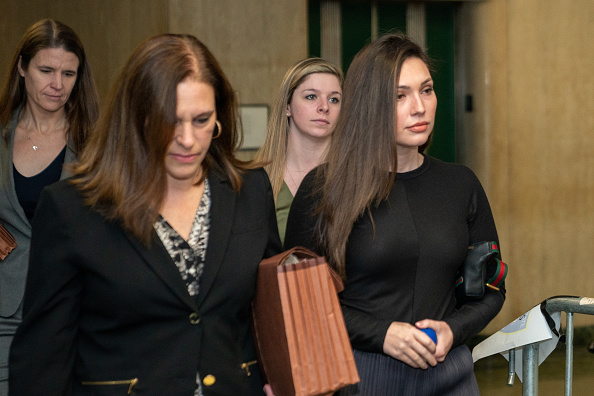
(219,129)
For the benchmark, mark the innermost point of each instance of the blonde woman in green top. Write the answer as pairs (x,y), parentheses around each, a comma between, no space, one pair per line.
(302,120)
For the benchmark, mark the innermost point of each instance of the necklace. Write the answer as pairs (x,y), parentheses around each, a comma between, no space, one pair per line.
(291,177)
(43,136)
(34,145)
(300,175)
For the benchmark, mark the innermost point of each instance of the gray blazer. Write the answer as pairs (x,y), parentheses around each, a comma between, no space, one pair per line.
(13,270)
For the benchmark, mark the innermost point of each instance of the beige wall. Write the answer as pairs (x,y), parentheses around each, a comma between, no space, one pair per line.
(528,64)
(531,140)
(255,41)
(109,29)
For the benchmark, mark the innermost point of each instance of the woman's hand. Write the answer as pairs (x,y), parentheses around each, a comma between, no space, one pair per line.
(410,345)
(445,337)
(268,390)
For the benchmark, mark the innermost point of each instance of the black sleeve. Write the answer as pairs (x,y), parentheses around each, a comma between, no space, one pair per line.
(366,332)
(472,316)
(42,353)
(274,245)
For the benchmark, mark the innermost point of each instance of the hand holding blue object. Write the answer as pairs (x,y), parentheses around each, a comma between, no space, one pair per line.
(431,333)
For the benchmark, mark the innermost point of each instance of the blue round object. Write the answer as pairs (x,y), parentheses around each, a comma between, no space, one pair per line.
(431,334)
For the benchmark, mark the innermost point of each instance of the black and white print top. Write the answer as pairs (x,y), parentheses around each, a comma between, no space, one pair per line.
(189,256)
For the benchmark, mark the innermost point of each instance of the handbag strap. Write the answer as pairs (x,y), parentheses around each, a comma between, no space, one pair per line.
(499,275)
(298,251)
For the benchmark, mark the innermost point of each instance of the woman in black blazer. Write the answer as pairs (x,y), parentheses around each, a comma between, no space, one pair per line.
(143,266)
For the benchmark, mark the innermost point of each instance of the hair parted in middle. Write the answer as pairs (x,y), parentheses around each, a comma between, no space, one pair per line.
(363,148)
(122,172)
(82,107)
(273,152)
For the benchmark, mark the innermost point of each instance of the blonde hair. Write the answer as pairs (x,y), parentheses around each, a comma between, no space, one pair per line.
(273,153)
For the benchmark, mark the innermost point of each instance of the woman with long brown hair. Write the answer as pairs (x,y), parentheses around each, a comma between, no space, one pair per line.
(47,109)
(143,266)
(396,224)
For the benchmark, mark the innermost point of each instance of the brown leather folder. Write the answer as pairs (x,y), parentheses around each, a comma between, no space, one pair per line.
(299,328)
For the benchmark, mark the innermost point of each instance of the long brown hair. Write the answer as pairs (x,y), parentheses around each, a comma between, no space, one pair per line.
(122,170)
(273,152)
(363,147)
(82,107)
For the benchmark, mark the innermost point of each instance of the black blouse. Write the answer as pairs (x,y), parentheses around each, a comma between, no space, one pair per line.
(28,189)
(406,270)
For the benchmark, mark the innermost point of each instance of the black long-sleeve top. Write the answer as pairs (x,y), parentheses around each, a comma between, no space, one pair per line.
(406,270)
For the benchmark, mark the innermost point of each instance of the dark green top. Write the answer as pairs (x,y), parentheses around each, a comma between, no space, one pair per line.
(283,204)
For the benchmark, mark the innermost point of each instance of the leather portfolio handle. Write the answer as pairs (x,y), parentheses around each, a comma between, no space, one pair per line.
(303,253)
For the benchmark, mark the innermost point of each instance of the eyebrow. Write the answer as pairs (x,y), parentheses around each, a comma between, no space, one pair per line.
(423,83)
(54,69)
(317,90)
(202,113)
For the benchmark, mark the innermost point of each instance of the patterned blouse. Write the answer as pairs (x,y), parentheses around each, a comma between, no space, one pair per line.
(189,256)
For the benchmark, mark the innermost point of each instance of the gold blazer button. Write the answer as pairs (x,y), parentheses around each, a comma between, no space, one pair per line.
(209,380)
(194,318)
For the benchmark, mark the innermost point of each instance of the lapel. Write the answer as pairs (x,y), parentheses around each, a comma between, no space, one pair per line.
(221,220)
(69,158)
(158,259)
(8,190)
(7,178)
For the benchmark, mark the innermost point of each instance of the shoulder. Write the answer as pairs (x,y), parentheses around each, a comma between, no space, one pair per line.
(7,134)
(452,172)
(61,210)
(256,176)
(309,193)
(254,184)
(451,167)
(63,190)
(248,177)
(62,199)
(313,181)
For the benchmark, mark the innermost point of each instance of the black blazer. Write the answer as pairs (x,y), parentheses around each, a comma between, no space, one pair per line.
(104,314)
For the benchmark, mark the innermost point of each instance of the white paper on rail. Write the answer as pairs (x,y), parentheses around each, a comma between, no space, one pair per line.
(529,328)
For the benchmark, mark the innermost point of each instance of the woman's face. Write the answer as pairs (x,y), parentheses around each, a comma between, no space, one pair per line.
(315,105)
(196,116)
(415,106)
(50,78)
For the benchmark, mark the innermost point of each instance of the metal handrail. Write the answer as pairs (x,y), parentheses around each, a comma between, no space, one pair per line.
(569,305)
